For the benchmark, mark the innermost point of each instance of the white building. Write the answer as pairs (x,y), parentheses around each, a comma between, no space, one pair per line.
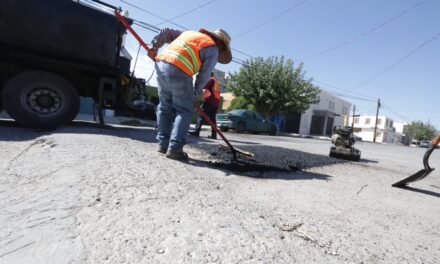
(400,126)
(321,118)
(385,133)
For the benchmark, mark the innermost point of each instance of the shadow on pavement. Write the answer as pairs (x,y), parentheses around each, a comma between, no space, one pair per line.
(368,161)
(413,189)
(19,133)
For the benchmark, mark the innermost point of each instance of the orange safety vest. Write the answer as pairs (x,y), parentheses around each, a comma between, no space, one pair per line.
(216,89)
(213,92)
(184,51)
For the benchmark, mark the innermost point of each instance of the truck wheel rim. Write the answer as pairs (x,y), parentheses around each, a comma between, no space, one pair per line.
(42,100)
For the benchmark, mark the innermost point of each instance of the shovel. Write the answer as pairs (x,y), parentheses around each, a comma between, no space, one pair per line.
(214,127)
(424,172)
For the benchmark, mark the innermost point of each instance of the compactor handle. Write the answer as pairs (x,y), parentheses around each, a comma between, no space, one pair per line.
(436,140)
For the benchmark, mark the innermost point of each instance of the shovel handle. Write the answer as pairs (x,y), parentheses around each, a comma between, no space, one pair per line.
(151,53)
(436,140)
(213,125)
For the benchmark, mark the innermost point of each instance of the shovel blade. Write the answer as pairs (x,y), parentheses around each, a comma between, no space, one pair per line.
(415,177)
(237,150)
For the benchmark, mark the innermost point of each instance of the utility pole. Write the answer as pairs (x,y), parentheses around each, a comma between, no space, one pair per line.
(352,121)
(377,117)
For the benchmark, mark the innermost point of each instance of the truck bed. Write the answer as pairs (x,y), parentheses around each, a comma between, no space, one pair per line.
(60,29)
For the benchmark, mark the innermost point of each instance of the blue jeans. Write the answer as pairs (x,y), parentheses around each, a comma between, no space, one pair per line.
(176,98)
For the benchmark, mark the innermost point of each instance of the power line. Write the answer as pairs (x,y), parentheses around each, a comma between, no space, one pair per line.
(241,62)
(101,6)
(146,26)
(412,109)
(346,91)
(397,62)
(394,112)
(156,29)
(346,95)
(241,52)
(271,19)
(152,14)
(366,33)
(189,11)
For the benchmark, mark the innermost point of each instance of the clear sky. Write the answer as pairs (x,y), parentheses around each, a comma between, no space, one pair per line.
(360,49)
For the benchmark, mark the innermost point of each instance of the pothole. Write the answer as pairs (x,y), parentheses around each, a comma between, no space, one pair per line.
(267,159)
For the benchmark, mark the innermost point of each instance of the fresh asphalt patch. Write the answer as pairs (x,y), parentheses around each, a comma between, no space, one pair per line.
(266,159)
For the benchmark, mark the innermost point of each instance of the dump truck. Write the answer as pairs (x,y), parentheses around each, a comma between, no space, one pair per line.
(54,51)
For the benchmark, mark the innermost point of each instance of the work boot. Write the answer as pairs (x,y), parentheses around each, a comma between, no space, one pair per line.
(213,136)
(194,133)
(162,150)
(180,155)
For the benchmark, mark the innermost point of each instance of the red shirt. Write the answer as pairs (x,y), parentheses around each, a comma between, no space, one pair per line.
(211,93)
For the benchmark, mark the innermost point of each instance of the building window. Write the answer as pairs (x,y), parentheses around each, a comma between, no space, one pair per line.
(379,121)
(331,105)
(318,99)
(367,121)
(378,134)
(391,124)
(356,120)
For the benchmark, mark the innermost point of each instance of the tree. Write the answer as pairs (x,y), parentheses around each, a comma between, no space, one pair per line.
(420,130)
(240,102)
(273,86)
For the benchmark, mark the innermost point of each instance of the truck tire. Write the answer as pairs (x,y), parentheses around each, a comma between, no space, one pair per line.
(39,99)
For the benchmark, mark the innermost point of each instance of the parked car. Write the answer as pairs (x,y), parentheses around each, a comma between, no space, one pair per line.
(425,144)
(244,120)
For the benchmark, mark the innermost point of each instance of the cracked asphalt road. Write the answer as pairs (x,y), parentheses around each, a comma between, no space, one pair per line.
(82,194)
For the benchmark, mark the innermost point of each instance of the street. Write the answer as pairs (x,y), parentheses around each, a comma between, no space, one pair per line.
(85,194)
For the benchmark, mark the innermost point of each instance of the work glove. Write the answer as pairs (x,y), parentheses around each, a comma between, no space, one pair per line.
(152,54)
(154,49)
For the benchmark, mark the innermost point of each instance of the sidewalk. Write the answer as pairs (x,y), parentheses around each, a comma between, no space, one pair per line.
(134,121)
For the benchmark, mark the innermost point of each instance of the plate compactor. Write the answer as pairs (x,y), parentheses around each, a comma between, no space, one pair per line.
(343,141)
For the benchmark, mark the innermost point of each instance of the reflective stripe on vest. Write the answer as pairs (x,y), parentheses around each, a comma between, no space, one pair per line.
(216,89)
(184,52)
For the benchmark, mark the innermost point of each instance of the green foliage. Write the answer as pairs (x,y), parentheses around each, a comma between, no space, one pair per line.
(273,85)
(240,102)
(420,130)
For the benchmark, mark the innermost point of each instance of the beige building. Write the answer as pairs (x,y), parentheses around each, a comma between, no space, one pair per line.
(226,100)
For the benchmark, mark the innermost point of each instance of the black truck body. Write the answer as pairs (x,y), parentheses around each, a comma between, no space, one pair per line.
(52,52)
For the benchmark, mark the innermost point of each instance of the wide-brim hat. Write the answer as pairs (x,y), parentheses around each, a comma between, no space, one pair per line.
(225,56)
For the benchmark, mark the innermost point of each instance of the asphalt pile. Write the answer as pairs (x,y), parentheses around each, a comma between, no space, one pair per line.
(266,159)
